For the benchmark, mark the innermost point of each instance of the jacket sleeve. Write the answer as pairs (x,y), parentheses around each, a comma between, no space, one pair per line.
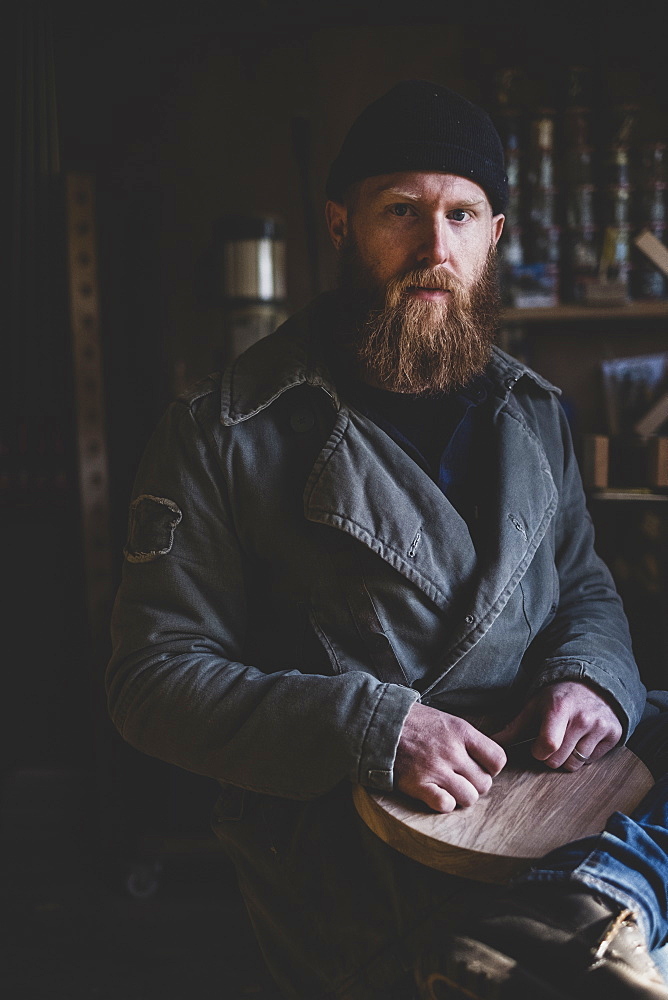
(176,687)
(588,639)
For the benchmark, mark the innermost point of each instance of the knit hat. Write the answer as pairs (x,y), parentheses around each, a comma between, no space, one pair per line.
(422,126)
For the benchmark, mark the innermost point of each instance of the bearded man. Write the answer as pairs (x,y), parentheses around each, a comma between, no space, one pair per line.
(370,527)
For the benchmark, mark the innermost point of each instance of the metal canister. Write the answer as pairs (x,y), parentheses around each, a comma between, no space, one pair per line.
(250,280)
(252,257)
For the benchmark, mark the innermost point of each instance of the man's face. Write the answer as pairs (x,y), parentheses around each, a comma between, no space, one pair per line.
(413,221)
(418,261)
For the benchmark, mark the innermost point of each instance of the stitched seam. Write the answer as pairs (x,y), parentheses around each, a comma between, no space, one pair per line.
(223,487)
(335,438)
(465,642)
(152,554)
(239,416)
(367,731)
(580,661)
(400,554)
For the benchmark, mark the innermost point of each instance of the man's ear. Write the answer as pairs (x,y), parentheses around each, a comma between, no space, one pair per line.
(497,228)
(336,214)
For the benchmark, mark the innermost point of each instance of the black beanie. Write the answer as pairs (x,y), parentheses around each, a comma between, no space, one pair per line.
(422,126)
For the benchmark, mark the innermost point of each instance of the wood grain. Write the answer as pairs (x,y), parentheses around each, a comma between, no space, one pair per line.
(529,811)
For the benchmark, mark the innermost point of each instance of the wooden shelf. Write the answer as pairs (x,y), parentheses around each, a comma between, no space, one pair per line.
(627,495)
(571,313)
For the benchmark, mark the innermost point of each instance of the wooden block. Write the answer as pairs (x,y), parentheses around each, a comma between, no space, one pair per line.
(654,417)
(595,460)
(654,249)
(657,462)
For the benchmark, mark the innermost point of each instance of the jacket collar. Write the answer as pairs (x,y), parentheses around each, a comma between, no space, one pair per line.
(294,355)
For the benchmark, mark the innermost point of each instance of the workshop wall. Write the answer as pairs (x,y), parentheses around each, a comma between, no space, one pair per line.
(182,116)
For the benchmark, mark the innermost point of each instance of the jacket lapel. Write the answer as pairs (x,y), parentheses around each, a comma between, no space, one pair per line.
(527,500)
(364,484)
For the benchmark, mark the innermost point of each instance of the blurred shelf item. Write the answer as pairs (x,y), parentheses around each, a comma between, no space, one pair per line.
(571,313)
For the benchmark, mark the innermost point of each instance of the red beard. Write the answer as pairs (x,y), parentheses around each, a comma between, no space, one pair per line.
(416,346)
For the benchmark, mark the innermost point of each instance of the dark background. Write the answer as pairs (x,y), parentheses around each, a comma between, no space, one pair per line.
(182,114)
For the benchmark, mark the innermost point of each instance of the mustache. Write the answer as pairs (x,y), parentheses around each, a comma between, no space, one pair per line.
(435,278)
(397,289)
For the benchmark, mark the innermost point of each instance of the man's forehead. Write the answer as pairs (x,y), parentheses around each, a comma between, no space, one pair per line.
(420,184)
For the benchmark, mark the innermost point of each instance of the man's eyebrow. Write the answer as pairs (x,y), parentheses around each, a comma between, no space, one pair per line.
(470,202)
(415,196)
(399,192)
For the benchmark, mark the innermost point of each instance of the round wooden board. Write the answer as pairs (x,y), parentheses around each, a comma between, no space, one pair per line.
(529,811)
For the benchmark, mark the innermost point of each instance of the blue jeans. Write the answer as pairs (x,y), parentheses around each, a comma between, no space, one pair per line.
(628,862)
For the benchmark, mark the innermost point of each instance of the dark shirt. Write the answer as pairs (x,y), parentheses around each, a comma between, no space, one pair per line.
(440,432)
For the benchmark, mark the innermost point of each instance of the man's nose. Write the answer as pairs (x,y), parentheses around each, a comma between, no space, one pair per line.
(434,249)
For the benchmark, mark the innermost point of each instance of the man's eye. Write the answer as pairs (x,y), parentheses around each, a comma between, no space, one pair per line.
(459,215)
(401,210)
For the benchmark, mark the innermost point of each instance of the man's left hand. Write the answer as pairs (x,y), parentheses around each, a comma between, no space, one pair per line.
(566,717)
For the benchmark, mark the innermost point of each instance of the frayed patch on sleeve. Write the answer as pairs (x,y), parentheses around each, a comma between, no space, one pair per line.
(151,528)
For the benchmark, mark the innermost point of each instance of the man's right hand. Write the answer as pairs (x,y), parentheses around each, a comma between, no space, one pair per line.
(443,760)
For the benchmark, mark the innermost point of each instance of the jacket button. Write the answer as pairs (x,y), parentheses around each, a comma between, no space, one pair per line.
(302,420)
(510,382)
(469,619)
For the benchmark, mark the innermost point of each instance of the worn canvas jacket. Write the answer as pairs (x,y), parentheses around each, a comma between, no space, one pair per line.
(293,580)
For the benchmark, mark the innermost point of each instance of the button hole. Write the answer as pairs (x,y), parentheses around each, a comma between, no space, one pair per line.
(517,524)
(414,544)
